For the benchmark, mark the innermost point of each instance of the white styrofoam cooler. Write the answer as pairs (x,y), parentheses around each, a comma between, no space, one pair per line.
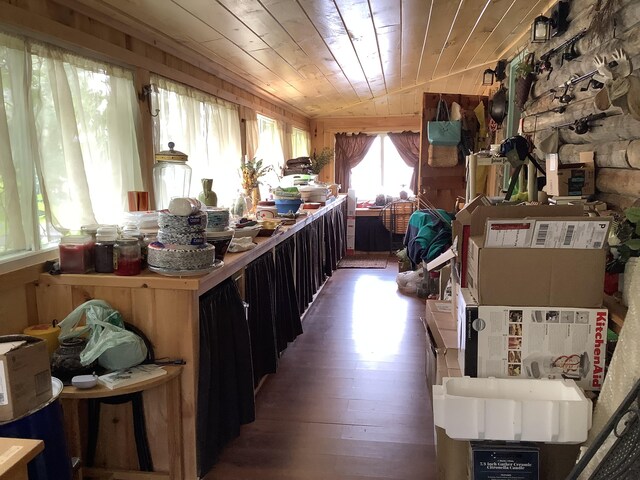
(537,410)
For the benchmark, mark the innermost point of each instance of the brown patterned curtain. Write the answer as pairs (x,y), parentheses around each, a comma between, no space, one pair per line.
(350,151)
(408,146)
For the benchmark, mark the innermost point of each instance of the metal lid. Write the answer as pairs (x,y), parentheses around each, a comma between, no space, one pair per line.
(171,155)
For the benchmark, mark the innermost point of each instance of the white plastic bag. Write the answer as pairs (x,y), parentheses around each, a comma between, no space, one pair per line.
(109,342)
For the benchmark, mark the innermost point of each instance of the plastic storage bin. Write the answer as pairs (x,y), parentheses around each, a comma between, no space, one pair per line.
(553,411)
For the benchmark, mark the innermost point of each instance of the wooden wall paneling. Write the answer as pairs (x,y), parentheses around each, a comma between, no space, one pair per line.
(388,29)
(116,437)
(415,18)
(54,302)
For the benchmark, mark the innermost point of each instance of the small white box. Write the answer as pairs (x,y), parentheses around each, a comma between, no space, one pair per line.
(554,411)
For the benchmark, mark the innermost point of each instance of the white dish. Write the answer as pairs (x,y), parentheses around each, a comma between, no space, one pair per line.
(169,272)
(84,381)
(247,231)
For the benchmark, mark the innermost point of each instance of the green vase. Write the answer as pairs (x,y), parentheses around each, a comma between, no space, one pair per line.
(208,196)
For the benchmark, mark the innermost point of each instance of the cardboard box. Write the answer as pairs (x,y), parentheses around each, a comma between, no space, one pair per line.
(571,178)
(442,336)
(532,342)
(25,376)
(471,221)
(539,276)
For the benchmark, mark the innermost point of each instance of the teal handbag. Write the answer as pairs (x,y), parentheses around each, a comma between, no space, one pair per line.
(446,132)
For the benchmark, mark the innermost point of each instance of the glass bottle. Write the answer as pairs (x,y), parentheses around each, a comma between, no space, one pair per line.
(171,176)
(105,240)
(127,256)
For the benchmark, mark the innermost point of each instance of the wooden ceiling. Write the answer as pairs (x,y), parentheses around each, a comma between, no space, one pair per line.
(341,57)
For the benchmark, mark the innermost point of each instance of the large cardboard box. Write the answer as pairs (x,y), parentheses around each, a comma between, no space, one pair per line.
(442,354)
(25,376)
(532,342)
(536,270)
(472,219)
(571,179)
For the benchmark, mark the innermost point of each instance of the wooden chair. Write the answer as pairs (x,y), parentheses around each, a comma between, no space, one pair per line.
(395,219)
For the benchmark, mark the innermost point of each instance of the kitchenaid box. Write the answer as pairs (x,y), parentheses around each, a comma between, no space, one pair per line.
(532,342)
(491,461)
(574,179)
(25,376)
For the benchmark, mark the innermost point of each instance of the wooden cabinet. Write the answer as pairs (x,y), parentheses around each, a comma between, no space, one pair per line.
(441,186)
(166,309)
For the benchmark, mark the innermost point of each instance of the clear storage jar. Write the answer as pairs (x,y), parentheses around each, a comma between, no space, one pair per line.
(105,241)
(171,176)
(127,257)
(76,254)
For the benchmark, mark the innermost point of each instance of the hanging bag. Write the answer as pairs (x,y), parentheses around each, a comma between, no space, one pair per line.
(444,132)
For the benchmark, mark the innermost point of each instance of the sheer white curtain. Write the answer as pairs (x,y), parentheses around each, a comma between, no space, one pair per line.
(300,143)
(270,151)
(207,129)
(251,130)
(69,130)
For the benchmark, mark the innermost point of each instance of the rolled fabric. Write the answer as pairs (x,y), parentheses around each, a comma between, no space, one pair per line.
(184,206)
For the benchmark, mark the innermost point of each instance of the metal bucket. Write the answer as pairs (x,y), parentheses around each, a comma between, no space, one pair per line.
(44,423)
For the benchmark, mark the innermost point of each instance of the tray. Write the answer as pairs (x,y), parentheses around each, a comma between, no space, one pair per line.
(169,272)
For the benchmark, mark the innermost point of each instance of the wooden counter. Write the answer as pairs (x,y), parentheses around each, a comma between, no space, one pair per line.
(15,454)
(166,309)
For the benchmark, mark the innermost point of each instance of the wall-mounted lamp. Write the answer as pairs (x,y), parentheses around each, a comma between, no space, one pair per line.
(487,77)
(499,73)
(149,94)
(544,28)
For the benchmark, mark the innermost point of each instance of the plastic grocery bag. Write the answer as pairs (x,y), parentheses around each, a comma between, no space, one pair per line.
(114,346)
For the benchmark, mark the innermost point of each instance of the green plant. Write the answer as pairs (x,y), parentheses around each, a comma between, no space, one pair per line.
(319,160)
(251,171)
(626,235)
(523,69)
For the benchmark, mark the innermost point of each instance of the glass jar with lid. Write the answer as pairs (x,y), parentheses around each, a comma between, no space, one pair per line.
(171,176)
(126,256)
(105,240)
(76,253)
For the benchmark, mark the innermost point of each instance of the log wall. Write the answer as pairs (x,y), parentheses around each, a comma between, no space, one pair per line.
(616,138)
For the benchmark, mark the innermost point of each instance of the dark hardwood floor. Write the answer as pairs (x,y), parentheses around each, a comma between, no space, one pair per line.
(349,400)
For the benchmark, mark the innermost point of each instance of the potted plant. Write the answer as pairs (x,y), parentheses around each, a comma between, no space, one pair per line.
(625,243)
(319,160)
(524,79)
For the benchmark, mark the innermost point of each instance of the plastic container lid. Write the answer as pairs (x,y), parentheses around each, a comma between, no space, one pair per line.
(107,234)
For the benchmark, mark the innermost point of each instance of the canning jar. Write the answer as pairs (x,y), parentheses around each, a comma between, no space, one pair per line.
(126,256)
(105,240)
(171,176)
(76,254)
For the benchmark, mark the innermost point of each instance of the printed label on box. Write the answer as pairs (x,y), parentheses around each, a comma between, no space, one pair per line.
(541,342)
(509,233)
(570,234)
(3,386)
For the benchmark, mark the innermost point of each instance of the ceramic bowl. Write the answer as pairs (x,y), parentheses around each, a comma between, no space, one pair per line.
(288,206)
(269,227)
(311,206)
(217,219)
(247,232)
(221,241)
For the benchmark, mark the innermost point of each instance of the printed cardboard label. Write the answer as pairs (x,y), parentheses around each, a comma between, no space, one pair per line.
(509,233)
(570,234)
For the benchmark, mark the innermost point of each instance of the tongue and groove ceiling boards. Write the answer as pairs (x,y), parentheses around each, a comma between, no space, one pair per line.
(340,57)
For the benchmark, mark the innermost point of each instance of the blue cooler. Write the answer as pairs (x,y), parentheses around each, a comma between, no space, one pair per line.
(44,423)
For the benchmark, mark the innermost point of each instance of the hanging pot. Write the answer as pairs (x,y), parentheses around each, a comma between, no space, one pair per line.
(498,105)
(523,84)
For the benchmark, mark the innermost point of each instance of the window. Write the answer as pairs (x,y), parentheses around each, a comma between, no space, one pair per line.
(382,171)
(299,143)
(69,130)
(270,151)
(207,129)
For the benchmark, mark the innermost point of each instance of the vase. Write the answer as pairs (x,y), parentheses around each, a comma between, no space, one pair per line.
(208,196)
(255,198)
(65,362)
